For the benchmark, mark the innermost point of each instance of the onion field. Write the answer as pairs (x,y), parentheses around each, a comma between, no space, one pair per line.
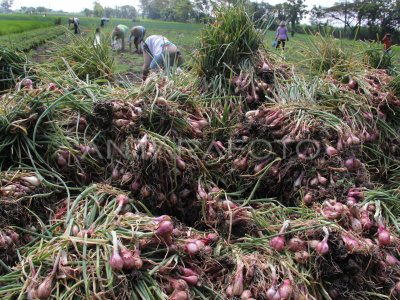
(249,173)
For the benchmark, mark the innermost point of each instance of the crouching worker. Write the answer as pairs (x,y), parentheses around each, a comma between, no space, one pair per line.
(160,53)
(137,33)
(76,26)
(119,33)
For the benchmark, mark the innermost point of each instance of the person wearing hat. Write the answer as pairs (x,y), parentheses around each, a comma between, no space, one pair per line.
(159,53)
(119,33)
(282,35)
(387,42)
(138,33)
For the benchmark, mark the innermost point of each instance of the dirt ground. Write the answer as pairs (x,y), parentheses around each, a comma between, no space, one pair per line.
(127,64)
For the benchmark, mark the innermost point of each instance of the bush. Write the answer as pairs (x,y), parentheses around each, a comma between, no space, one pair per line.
(226,42)
(376,57)
(57,21)
(12,65)
(324,53)
(85,60)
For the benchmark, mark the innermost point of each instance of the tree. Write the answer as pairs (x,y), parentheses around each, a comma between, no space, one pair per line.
(296,10)
(201,9)
(280,12)
(344,12)
(145,7)
(87,12)
(97,9)
(261,10)
(41,9)
(181,9)
(6,4)
(156,7)
(316,15)
(128,12)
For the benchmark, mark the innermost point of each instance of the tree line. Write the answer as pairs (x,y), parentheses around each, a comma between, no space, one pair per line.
(360,19)
(124,12)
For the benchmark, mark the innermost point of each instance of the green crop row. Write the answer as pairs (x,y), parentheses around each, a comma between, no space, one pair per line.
(18,26)
(30,39)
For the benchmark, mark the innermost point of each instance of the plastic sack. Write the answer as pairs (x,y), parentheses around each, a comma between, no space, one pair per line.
(116,45)
(274,43)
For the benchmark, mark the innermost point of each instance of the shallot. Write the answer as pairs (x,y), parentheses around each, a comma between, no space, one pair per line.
(330,151)
(238,284)
(322,247)
(191,248)
(383,236)
(33,180)
(116,261)
(164,229)
(278,242)
(121,199)
(127,259)
(286,289)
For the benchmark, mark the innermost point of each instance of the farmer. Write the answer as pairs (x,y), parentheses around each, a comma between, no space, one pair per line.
(119,33)
(281,35)
(158,52)
(103,21)
(387,42)
(76,25)
(138,33)
(70,21)
(97,37)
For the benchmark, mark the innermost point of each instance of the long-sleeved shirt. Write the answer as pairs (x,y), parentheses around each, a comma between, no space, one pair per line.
(282,33)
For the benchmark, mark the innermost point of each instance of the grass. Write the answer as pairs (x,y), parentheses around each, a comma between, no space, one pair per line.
(17,26)
(30,39)
(297,44)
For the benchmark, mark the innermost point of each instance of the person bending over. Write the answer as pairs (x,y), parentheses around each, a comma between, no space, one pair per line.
(137,33)
(76,26)
(158,53)
(119,33)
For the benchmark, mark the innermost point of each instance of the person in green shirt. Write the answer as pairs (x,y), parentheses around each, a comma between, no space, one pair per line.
(119,33)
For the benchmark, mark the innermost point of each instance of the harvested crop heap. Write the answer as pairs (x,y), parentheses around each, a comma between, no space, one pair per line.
(245,183)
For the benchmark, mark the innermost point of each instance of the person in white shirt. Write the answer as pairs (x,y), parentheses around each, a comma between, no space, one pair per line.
(97,38)
(158,53)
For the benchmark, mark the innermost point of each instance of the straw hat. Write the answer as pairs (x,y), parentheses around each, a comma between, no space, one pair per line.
(282,23)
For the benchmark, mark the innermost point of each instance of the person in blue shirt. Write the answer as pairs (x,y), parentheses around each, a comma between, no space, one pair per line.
(137,33)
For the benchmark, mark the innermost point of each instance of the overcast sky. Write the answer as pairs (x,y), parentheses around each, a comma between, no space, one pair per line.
(79,5)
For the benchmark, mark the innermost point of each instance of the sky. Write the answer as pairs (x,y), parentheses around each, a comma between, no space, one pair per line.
(79,5)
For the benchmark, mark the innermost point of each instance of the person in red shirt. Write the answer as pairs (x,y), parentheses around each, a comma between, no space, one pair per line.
(387,41)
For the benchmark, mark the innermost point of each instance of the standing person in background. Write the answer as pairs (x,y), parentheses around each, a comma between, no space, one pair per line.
(387,42)
(281,35)
(97,37)
(76,25)
(158,53)
(138,33)
(119,33)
